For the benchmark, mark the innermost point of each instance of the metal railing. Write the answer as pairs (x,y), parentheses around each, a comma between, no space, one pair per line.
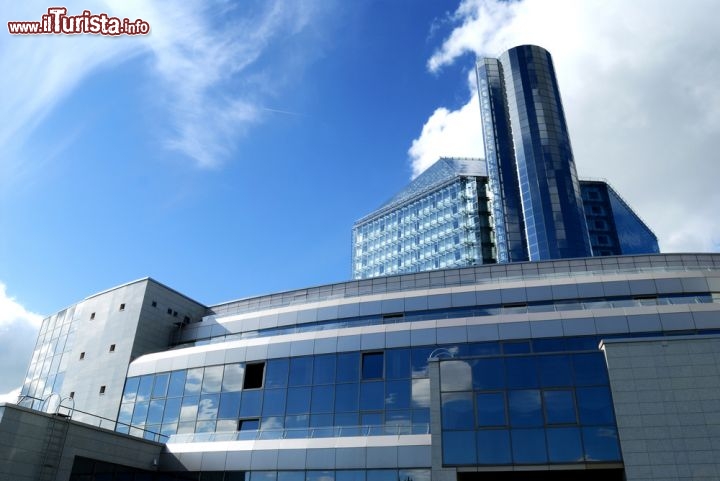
(302,433)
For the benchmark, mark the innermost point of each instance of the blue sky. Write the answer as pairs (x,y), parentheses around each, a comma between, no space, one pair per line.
(228,153)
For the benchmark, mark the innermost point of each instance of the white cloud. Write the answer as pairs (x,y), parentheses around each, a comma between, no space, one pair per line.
(199,53)
(18,333)
(639,86)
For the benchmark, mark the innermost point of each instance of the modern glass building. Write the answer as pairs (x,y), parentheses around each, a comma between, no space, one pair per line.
(445,218)
(530,159)
(508,371)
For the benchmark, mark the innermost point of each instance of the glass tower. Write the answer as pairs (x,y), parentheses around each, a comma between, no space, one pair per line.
(521,85)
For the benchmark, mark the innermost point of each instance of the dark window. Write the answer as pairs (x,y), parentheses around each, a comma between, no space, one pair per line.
(122,307)
(112,347)
(102,389)
(169,311)
(248,424)
(82,356)
(92,316)
(186,319)
(174,313)
(254,376)
(154,303)
(72,394)
(372,365)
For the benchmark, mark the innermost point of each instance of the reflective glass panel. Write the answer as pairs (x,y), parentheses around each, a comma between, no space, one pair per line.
(319,476)
(372,396)
(232,377)
(324,370)
(130,392)
(193,381)
(559,407)
(301,371)
(564,445)
(276,374)
(140,413)
(208,407)
(525,408)
(322,399)
(522,372)
(177,384)
(188,409)
(601,444)
(397,364)
(145,387)
(161,385)
(372,365)
(155,412)
(493,446)
(348,365)
(346,397)
(455,375)
(397,394)
(172,410)
(298,400)
(590,369)
(457,410)
(229,405)
(250,403)
(419,357)
(528,446)
(421,393)
(555,371)
(274,402)
(595,405)
(459,447)
(212,380)
(491,409)
(488,373)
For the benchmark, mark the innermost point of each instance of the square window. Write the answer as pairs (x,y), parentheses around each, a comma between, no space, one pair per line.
(112,347)
(102,389)
(82,356)
(92,316)
(122,307)
(248,424)
(372,365)
(254,374)
(174,313)
(154,303)
(72,394)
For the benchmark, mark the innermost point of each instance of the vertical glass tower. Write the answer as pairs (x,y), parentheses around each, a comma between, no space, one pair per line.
(523,81)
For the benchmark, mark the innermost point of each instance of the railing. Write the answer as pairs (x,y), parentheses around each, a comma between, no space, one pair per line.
(302,433)
(70,412)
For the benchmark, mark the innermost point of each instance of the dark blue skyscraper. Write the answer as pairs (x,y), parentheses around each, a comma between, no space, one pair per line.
(534,149)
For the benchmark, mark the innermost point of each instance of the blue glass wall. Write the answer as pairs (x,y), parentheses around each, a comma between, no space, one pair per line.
(501,166)
(634,236)
(552,205)
(527,409)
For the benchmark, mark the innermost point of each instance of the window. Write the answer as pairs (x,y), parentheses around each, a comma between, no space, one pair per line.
(174,313)
(372,365)
(248,424)
(82,356)
(112,347)
(154,303)
(92,316)
(186,319)
(254,376)
(72,394)
(169,311)
(122,307)
(102,389)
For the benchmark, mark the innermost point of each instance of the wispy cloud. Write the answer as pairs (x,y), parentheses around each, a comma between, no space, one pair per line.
(639,87)
(18,332)
(203,56)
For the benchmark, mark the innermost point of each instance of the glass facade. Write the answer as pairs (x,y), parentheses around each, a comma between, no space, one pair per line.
(50,358)
(527,409)
(441,220)
(501,166)
(549,188)
(613,226)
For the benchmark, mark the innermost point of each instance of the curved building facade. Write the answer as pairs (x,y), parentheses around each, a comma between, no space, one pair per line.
(549,191)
